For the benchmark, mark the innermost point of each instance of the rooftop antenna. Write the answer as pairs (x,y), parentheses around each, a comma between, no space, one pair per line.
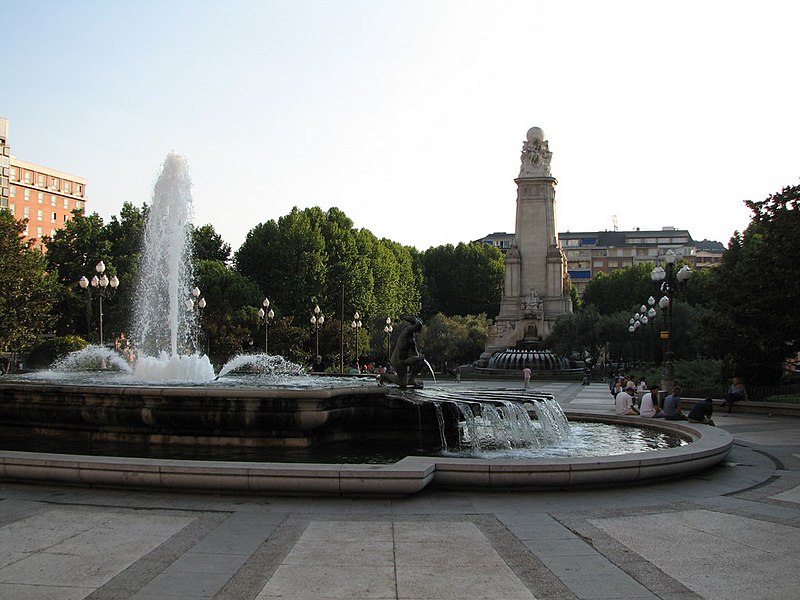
(614,220)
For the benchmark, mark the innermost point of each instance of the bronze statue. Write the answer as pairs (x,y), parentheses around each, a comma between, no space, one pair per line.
(405,359)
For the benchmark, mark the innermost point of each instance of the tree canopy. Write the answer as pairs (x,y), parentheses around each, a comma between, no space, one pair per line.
(753,321)
(27,291)
(466,279)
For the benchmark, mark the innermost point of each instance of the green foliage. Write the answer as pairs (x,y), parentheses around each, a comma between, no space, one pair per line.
(74,251)
(448,342)
(207,244)
(230,322)
(313,257)
(27,291)
(46,352)
(464,279)
(619,290)
(754,323)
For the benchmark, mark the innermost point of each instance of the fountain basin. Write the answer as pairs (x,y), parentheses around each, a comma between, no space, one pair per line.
(250,416)
(709,447)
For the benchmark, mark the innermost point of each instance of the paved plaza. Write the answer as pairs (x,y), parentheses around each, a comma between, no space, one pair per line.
(731,532)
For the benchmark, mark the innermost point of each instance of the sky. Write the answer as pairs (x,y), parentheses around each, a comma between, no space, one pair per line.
(409,115)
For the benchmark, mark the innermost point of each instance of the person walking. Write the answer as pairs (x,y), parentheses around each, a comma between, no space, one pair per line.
(526,377)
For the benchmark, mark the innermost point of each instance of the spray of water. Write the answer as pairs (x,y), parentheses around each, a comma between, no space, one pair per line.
(161,322)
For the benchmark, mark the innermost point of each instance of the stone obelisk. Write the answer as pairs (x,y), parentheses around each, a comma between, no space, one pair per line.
(536,290)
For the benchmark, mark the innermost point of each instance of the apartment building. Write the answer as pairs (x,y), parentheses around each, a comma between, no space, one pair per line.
(44,196)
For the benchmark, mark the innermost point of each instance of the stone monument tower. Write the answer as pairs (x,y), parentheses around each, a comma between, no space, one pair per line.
(536,290)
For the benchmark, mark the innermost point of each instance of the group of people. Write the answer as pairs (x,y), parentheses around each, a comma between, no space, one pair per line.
(627,392)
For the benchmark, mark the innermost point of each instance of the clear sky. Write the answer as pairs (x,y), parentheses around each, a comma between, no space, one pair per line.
(409,115)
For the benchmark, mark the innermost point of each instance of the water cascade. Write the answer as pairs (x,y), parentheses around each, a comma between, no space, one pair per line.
(495,421)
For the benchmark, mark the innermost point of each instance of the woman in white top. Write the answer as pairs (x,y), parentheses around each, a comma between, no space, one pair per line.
(649,405)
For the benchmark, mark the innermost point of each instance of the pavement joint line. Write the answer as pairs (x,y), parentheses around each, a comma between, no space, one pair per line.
(152,564)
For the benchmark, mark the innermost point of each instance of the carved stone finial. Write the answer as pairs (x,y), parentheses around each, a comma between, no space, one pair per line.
(536,155)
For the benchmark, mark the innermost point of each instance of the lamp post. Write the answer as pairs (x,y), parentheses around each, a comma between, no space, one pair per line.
(388,331)
(356,325)
(669,281)
(100,283)
(317,319)
(267,314)
(195,301)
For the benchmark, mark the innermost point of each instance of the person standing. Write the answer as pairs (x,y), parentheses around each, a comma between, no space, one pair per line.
(526,377)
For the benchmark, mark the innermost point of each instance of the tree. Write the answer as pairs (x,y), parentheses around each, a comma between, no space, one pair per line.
(619,290)
(27,290)
(451,341)
(207,244)
(463,279)
(754,322)
(313,257)
(230,321)
(72,253)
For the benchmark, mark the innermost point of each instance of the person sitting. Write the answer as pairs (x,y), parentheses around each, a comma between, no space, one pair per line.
(701,412)
(672,406)
(318,366)
(736,392)
(648,408)
(624,402)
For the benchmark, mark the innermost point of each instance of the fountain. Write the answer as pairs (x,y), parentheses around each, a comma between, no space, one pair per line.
(171,398)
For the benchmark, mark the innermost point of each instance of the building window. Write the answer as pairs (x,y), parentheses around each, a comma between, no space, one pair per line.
(53,201)
(54,183)
(14,172)
(78,204)
(41,197)
(66,218)
(39,232)
(27,194)
(13,208)
(3,202)
(52,233)
(66,203)
(41,180)
(12,190)
(27,177)
(67,187)
(40,215)
(27,213)
(79,189)
(53,217)
(27,231)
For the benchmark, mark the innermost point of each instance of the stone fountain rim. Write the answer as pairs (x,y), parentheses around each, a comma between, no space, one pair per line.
(709,446)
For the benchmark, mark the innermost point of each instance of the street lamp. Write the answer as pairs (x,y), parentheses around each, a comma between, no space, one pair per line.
(267,315)
(317,319)
(388,331)
(198,302)
(100,283)
(356,325)
(669,281)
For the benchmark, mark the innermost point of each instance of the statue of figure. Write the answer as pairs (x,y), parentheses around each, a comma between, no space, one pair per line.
(533,305)
(536,155)
(406,359)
